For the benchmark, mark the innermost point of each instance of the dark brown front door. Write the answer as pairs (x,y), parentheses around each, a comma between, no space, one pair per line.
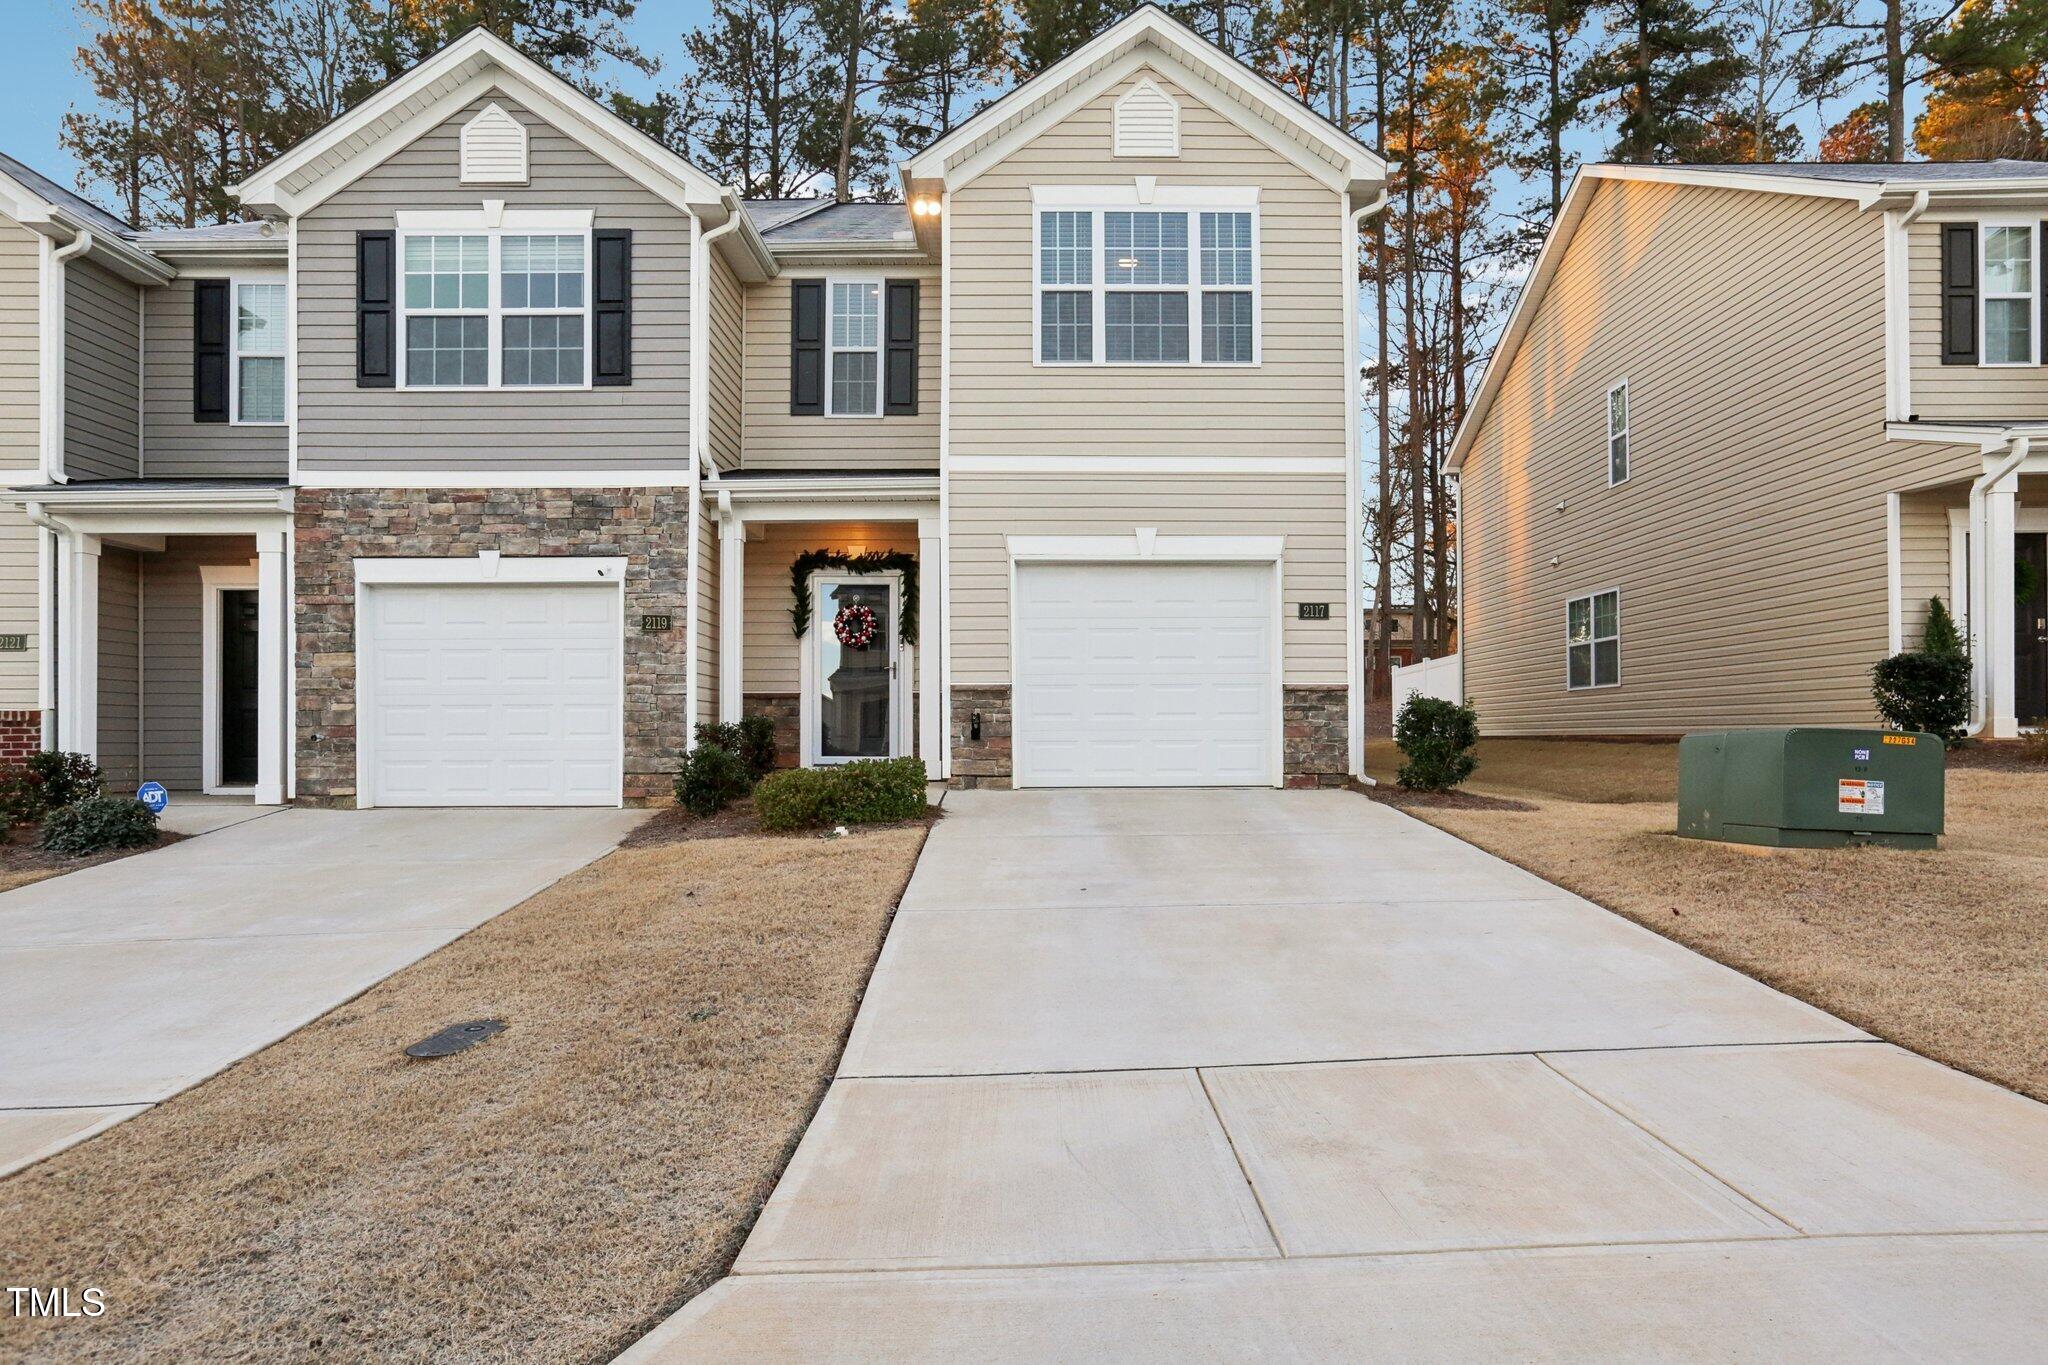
(238,687)
(2030,627)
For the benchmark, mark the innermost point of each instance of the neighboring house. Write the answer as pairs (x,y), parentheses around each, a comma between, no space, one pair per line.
(1744,422)
(509,446)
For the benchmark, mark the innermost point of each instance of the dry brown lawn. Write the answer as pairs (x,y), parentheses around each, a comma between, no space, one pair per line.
(674,1015)
(1940,951)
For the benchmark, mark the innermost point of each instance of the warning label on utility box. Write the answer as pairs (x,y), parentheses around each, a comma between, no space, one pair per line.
(1854,796)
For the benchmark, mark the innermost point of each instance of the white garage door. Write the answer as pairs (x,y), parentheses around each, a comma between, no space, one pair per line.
(492,695)
(1144,675)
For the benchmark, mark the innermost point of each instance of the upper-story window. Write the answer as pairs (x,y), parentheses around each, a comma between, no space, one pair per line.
(1617,433)
(258,369)
(1167,285)
(2006,277)
(1592,641)
(854,347)
(495,309)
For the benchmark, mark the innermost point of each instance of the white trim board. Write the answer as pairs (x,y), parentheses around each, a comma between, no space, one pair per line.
(1147,544)
(494,478)
(1327,465)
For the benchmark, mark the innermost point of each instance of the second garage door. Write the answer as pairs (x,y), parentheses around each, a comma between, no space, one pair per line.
(500,695)
(1142,675)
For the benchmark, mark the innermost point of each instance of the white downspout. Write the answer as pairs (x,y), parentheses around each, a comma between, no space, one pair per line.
(700,447)
(1354,529)
(50,329)
(1980,587)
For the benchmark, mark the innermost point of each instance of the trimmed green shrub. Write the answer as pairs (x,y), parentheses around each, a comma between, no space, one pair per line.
(752,738)
(865,793)
(99,823)
(45,782)
(1939,635)
(1926,692)
(711,777)
(1437,737)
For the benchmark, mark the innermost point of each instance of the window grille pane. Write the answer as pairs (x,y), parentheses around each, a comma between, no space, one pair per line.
(1617,410)
(1145,329)
(447,272)
(1579,666)
(2008,331)
(1617,459)
(541,272)
(2008,260)
(1606,616)
(1066,248)
(1606,663)
(1227,329)
(259,319)
(1579,620)
(543,350)
(856,386)
(260,389)
(1227,248)
(1145,248)
(856,314)
(1066,328)
(441,351)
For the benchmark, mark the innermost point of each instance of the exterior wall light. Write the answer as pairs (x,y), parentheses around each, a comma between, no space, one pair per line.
(925,207)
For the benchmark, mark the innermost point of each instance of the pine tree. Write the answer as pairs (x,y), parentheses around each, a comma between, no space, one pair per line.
(1939,635)
(1668,66)
(857,38)
(748,105)
(1988,94)
(1540,47)
(1048,30)
(574,38)
(945,51)
(1859,135)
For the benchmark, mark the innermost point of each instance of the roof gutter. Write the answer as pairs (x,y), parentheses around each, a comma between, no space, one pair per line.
(1980,585)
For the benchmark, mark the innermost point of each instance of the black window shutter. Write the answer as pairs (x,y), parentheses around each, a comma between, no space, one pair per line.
(376,316)
(899,396)
(1959,294)
(209,350)
(807,348)
(611,307)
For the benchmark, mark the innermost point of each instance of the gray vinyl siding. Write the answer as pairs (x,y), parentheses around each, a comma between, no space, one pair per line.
(1941,392)
(774,663)
(175,446)
(1292,404)
(173,645)
(1306,509)
(726,363)
(1749,543)
(102,379)
(776,440)
(641,426)
(20,343)
(120,669)
(708,661)
(1924,558)
(18,610)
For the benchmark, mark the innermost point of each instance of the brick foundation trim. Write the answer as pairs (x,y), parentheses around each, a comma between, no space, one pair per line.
(21,734)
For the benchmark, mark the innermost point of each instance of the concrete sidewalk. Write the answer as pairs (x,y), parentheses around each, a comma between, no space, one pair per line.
(1288,1075)
(122,984)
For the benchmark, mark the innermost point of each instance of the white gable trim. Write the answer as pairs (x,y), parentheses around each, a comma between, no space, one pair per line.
(1146,122)
(1342,162)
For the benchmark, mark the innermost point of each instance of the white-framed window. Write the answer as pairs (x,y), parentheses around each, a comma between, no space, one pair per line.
(1592,640)
(853,347)
(494,307)
(2008,257)
(1617,433)
(1174,281)
(257,374)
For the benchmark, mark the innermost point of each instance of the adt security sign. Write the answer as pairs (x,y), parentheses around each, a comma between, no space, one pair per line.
(153,795)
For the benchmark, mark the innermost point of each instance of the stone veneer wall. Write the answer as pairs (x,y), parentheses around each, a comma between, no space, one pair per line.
(1314,732)
(334,527)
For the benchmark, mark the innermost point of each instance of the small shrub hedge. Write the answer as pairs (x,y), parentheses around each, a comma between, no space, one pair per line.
(99,823)
(1436,736)
(45,782)
(711,777)
(752,739)
(1924,691)
(864,793)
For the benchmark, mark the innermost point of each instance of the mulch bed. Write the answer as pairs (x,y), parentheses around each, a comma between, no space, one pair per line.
(2001,755)
(20,856)
(674,825)
(1389,794)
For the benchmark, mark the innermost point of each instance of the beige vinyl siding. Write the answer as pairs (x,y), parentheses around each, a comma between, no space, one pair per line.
(707,662)
(727,363)
(1306,509)
(776,440)
(173,653)
(20,347)
(1292,404)
(773,665)
(1924,558)
(120,669)
(18,610)
(1749,543)
(1959,392)
(173,445)
(102,373)
(641,426)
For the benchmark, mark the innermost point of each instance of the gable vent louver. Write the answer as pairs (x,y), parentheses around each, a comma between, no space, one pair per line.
(1147,122)
(493,149)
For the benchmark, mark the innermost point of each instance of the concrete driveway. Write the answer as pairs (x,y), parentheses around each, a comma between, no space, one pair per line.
(1289,1075)
(122,984)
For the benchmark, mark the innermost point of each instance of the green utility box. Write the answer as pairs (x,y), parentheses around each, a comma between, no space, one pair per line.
(1811,788)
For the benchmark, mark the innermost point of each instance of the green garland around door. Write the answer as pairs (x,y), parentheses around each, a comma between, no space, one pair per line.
(868,561)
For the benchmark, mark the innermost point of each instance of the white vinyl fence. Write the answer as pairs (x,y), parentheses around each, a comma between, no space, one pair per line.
(1443,678)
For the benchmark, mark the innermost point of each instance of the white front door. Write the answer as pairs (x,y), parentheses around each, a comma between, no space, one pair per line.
(1145,675)
(491,695)
(852,656)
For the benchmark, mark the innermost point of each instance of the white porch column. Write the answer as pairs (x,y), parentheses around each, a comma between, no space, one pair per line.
(273,638)
(2000,608)
(78,647)
(931,737)
(732,582)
